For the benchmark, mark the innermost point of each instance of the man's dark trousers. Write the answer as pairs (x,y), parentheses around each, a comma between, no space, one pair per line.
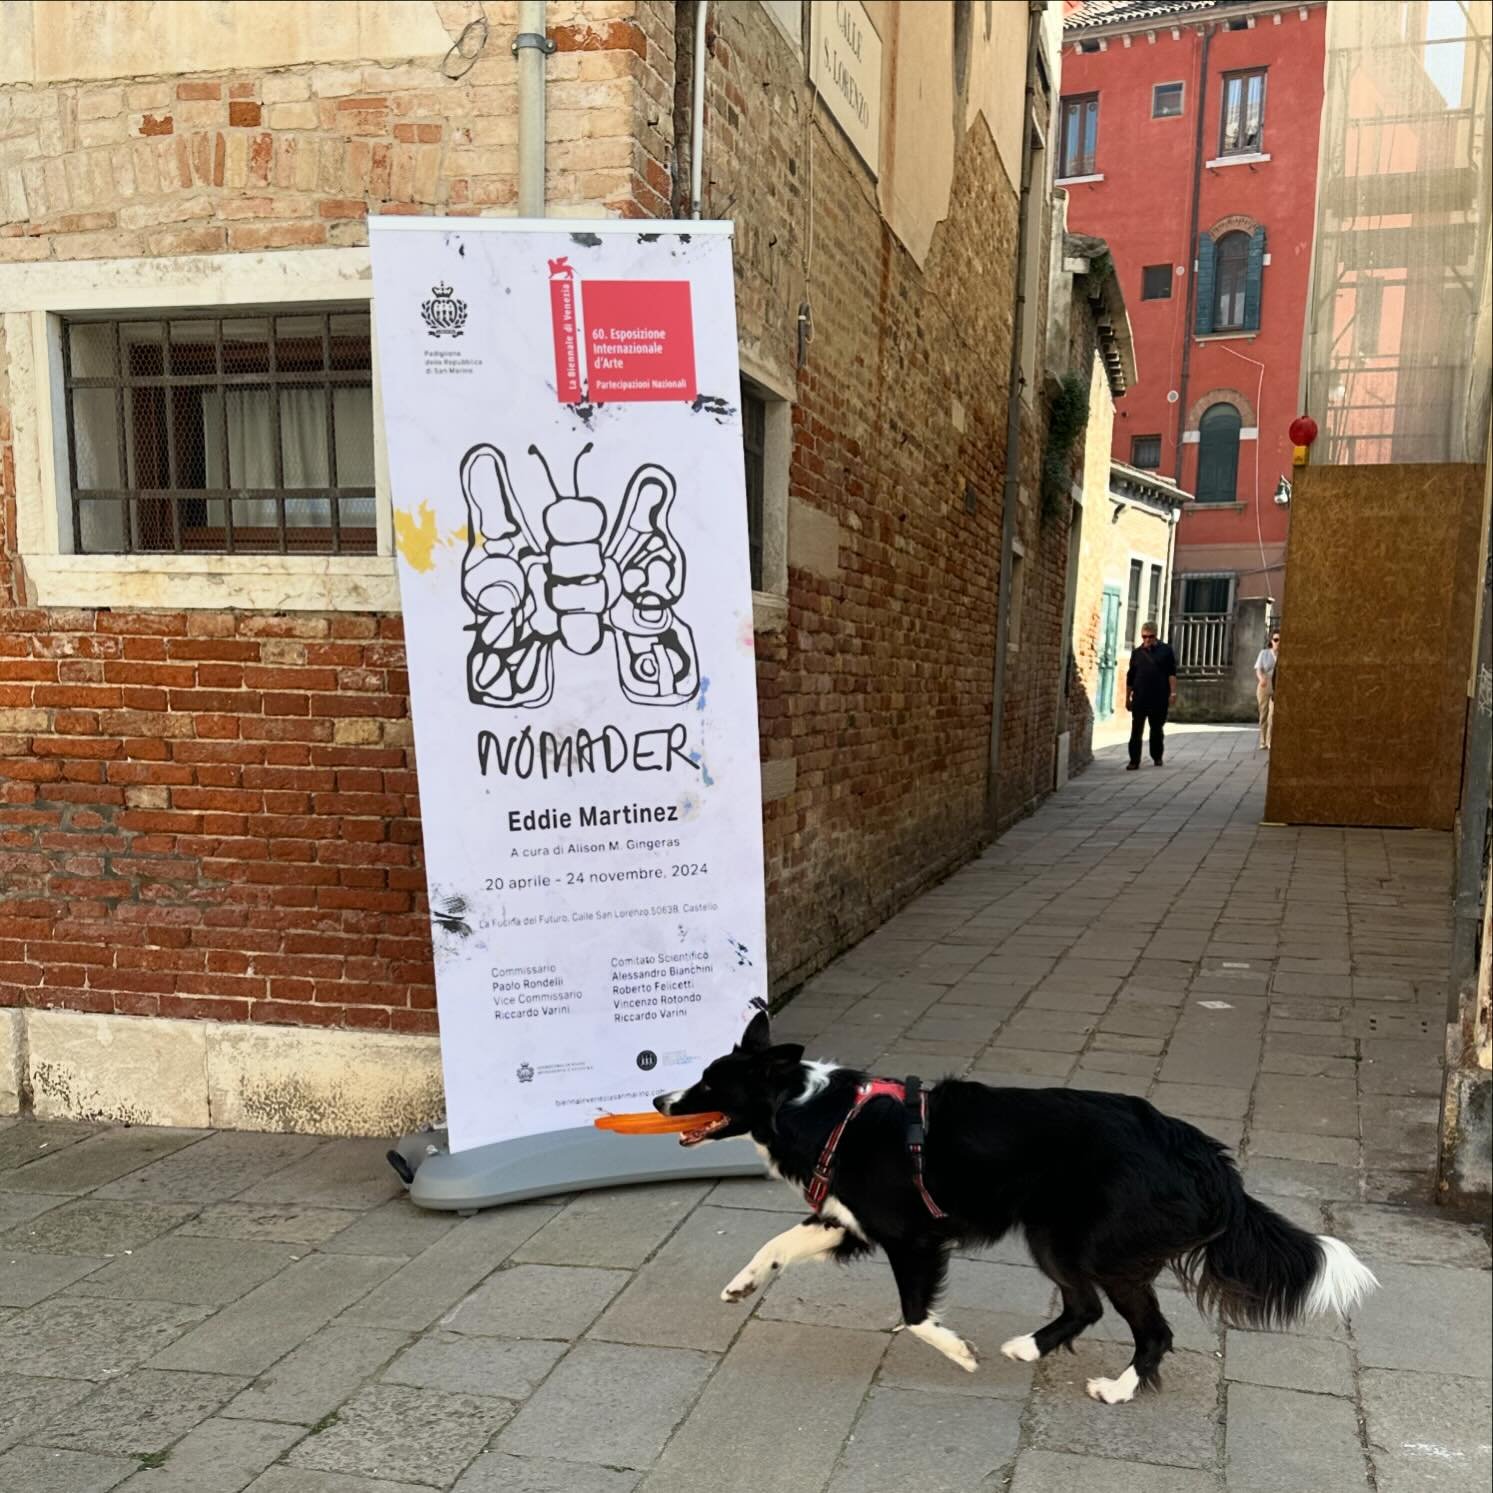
(1141,712)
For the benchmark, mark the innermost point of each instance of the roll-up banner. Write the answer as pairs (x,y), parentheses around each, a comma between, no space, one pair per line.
(561,405)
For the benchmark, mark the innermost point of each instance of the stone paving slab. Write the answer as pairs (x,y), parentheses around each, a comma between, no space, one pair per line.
(475,1365)
(98,1159)
(933,1442)
(26,1278)
(497,1472)
(1061,1472)
(412,1435)
(248,1336)
(195,1312)
(537,1301)
(1283,1441)
(27,1403)
(216,1454)
(422,1289)
(212,1169)
(783,1401)
(311,1381)
(138,1413)
(1427,1317)
(1178,1427)
(75,1338)
(1428,1433)
(95,1226)
(610,1403)
(210,1272)
(46,1469)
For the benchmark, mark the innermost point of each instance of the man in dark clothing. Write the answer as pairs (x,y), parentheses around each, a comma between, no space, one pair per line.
(1150,691)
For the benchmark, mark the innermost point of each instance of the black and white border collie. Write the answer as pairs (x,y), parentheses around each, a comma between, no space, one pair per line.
(1107,1190)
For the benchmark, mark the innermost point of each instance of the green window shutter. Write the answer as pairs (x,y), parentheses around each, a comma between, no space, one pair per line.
(1254,273)
(1206,288)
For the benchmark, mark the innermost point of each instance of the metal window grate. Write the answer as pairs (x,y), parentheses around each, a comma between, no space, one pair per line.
(250,432)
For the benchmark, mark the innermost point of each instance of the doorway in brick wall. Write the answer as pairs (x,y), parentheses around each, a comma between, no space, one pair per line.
(1109,651)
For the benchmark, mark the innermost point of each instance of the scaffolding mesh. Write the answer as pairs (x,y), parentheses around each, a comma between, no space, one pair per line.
(1398,340)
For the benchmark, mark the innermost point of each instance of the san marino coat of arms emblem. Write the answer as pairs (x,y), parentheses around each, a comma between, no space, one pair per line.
(443,313)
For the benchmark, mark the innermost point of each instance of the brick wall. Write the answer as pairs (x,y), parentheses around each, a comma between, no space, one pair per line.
(880,687)
(299,156)
(211,815)
(215,814)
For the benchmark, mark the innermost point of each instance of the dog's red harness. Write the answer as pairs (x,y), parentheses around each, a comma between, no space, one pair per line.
(877,1088)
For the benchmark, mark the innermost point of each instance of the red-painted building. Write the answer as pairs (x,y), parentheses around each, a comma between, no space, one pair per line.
(1187,139)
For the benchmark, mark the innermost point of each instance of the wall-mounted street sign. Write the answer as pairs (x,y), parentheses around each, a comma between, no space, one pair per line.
(845,68)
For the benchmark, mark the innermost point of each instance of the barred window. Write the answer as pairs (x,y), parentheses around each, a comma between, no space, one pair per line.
(245,432)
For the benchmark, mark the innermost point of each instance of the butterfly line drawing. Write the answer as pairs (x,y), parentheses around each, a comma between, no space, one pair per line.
(570,588)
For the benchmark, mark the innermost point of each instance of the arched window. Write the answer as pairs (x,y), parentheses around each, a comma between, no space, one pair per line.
(1218,454)
(1231,269)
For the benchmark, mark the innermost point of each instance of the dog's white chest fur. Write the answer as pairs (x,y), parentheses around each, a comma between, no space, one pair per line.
(837,1212)
(833,1210)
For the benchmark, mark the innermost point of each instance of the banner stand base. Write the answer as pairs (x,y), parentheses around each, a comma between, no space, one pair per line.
(536,1166)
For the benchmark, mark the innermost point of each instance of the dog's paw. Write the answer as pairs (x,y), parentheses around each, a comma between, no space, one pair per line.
(950,1344)
(1114,1391)
(1022,1349)
(741,1287)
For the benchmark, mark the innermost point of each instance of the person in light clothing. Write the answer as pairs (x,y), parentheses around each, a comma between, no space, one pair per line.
(1265,688)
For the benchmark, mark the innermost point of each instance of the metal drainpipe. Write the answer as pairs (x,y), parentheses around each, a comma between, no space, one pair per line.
(697,111)
(1190,310)
(1011,487)
(531,46)
(1164,622)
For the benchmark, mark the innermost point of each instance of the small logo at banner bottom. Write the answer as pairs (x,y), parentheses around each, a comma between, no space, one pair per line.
(647,1060)
(444,315)
(525,1073)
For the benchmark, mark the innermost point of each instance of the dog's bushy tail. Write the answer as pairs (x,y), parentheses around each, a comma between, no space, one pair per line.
(1263,1271)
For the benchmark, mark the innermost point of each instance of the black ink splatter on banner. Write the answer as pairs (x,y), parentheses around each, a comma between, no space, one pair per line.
(712,404)
(450,916)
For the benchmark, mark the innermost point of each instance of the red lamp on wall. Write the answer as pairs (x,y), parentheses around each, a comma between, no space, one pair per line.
(1303,432)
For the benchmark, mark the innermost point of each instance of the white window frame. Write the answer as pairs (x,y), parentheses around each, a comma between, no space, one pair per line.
(1181,88)
(1148,561)
(770,604)
(36,297)
(1018,596)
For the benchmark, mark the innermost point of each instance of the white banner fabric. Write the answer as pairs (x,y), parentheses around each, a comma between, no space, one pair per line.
(561,405)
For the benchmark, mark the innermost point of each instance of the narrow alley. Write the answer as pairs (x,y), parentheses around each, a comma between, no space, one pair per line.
(184,1310)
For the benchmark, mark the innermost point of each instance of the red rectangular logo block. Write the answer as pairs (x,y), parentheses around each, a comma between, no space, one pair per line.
(567,344)
(640,340)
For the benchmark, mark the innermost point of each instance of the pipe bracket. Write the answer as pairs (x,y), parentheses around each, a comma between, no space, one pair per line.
(545,44)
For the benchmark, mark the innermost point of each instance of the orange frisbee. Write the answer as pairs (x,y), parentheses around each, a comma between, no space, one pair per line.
(648,1122)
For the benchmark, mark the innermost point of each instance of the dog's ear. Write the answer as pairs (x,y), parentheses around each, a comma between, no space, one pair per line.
(757,1037)
(784,1057)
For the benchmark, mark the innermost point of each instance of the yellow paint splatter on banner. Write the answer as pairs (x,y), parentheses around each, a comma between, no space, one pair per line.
(416,537)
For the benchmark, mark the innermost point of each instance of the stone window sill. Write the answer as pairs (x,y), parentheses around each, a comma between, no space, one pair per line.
(1226,336)
(1075,181)
(1252,158)
(1199,506)
(259,583)
(769,612)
